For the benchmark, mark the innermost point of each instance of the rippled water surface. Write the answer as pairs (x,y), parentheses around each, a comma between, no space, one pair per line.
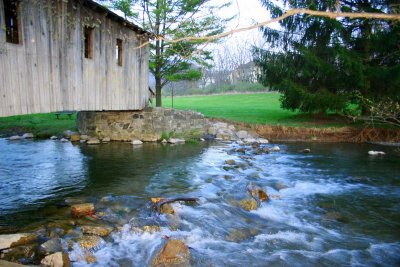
(336,206)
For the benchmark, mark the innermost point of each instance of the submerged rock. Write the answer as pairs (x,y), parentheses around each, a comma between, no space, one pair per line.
(90,242)
(147,228)
(13,240)
(238,235)
(249,204)
(14,137)
(14,254)
(59,259)
(80,210)
(174,253)
(280,186)
(4,263)
(51,246)
(96,230)
(334,215)
(93,141)
(176,141)
(230,162)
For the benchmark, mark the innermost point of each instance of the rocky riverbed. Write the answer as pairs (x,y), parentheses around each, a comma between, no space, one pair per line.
(232,203)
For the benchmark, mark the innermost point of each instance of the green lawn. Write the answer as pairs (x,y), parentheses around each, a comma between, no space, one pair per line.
(41,125)
(259,108)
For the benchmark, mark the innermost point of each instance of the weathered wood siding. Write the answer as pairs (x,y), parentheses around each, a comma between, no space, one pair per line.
(48,71)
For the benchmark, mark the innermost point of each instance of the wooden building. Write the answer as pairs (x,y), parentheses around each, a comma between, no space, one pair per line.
(69,55)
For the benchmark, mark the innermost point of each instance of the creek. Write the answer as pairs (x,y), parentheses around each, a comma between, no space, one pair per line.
(335,206)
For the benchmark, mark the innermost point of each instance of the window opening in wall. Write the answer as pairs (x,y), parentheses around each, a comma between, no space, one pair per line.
(118,52)
(88,35)
(11,21)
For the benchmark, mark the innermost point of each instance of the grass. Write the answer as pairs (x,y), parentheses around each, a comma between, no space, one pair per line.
(41,125)
(258,108)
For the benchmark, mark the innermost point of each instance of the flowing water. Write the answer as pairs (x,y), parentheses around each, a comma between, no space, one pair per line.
(336,206)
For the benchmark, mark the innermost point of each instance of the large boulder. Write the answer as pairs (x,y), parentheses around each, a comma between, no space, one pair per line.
(174,253)
(59,259)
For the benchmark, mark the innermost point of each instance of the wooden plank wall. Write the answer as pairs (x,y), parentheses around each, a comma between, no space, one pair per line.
(48,71)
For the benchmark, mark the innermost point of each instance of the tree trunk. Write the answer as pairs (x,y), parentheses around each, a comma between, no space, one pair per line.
(158,90)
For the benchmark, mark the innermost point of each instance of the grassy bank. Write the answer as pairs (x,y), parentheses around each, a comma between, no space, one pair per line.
(258,108)
(41,125)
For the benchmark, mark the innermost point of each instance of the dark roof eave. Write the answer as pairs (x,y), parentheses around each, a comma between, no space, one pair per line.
(109,14)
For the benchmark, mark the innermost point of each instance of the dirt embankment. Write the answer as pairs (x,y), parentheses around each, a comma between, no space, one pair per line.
(341,134)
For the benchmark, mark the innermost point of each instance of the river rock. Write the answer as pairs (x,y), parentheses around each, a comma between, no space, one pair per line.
(249,204)
(59,259)
(164,141)
(257,193)
(265,149)
(53,137)
(27,136)
(4,263)
(85,137)
(147,228)
(262,141)
(14,137)
(75,138)
(176,141)
(89,242)
(238,235)
(174,253)
(167,209)
(93,141)
(242,134)
(249,140)
(136,142)
(306,150)
(51,246)
(64,140)
(279,186)
(80,210)
(13,240)
(69,133)
(241,150)
(106,139)
(230,162)
(212,130)
(96,230)
(14,254)
(276,149)
(375,153)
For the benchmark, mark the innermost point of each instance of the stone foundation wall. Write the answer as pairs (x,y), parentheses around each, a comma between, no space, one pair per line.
(146,125)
